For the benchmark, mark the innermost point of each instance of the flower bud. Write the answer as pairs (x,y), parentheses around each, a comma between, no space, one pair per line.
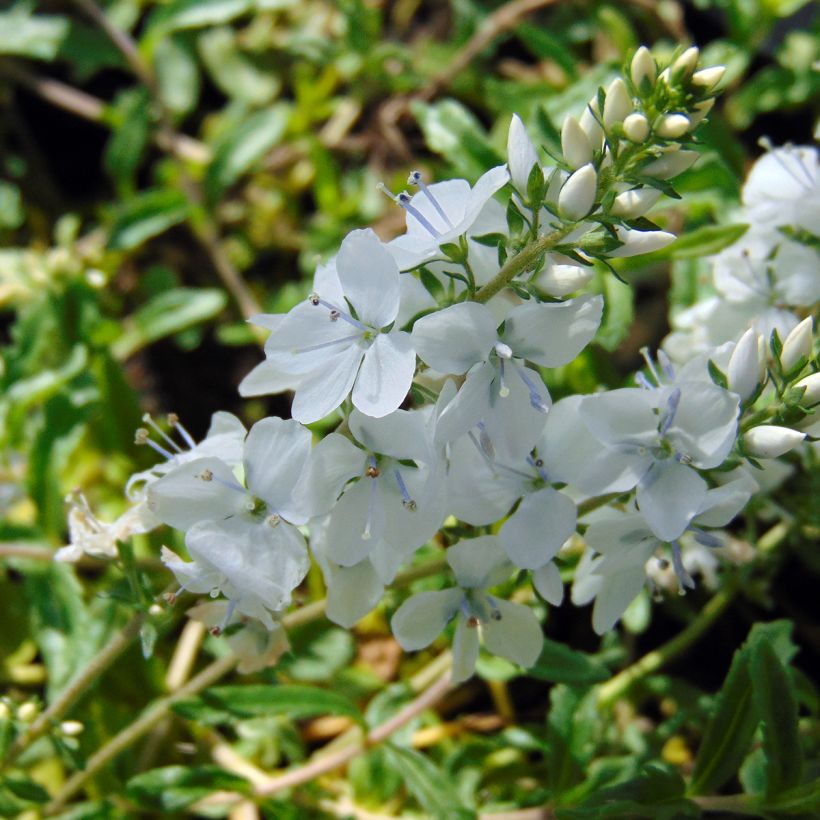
(708,78)
(643,67)
(686,63)
(591,126)
(671,164)
(638,242)
(578,194)
(561,280)
(743,373)
(521,154)
(575,144)
(636,128)
(797,344)
(28,711)
(771,441)
(673,126)
(618,103)
(632,204)
(812,394)
(72,728)
(700,110)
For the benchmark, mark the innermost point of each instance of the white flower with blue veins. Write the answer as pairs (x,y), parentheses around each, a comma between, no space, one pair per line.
(242,538)
(344,338)
(507,629)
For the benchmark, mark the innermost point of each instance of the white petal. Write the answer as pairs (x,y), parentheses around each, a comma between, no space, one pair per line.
(479,563)
(348,523)
(638,242)
(414,299)
(621,416)
(266,380)
(454,339)
(616,594)
(723,503)
(386,374)
(405,528)
(535,532)
(182,497)
(578,194)
(276,454)
(196,577)
(465,651)
(422,618)
(517,636)
(352,592)
(324,389)
(470,405)
(547,581)
(369,277)
(400,434)
(521,154)
(669,497)
(333,462)
(553,334)
(488,183)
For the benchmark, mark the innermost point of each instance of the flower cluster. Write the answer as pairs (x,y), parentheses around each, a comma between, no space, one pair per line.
(432,351)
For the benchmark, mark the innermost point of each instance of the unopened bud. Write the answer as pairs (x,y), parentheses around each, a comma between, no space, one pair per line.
(561,280)
(71,728)
(618,104)
(638,242)
(797,344)
(743,373)
(673,126)
(771,441)
(28,711)
(636,128)
(632,204)
(671,164)
(686,63)
(643,68)
(812,394)
(589,123)
(708,78)
(575,144)
(578,194)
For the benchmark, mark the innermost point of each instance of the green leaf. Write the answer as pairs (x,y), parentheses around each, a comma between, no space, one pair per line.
(188,14)
(243,146)
(730,730)
(172,788)
(146,216)
(125,149)
(26,789)
(434,791)
(171,311)
(704,241)
(560,664)
(264,700)
(11,206)
(803,801)
(177,74)
(25,35)
(717,375)
(776,703)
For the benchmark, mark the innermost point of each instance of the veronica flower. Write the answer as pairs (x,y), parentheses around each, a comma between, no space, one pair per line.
(507,629)
(343,338)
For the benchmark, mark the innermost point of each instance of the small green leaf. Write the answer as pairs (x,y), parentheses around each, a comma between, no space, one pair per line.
(146,216)
(167,313)
(704,241)
(125,149)
(35,36)
(172,788)
(717,375)
(243,146)
(776,704)
(26,789)
(560,664)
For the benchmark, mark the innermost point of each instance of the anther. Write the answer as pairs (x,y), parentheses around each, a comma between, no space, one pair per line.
(473,622)
(372,471)
(496,615)
(273,520)
(503,351)
(142,436)
(334,315)
(314,299)
(151,423)
(206,475)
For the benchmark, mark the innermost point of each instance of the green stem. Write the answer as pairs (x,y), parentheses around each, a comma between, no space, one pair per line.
(609,692)
(729,804)
(78,687)
(523,260)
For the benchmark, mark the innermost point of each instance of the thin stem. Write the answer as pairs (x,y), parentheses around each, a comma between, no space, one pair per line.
(729,804)
(609,692)
(78,686)
(523,260)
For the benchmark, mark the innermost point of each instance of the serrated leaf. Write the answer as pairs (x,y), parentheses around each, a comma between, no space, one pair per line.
(243,146)
(167,313)
(427,783)
(776,704)
(146,216)
(291,700)
(705,241)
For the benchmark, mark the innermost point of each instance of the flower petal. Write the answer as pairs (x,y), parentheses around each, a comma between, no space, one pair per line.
(324,389)
(422,617)
(369,277)
(548,584)
(361,503)
(352,592)
(386,374)
(521,154)
(669,497)
(454,339)
(516,636)
(465,651)
(479,563)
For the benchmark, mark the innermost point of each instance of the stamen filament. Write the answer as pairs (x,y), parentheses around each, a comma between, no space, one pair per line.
(415,179)
(538,468)
(650,364)
(671,408)
(684,578)
(154,426)
(340,314)
(535,397)
(503,391)
(367,534)
(174,421)
(407,501)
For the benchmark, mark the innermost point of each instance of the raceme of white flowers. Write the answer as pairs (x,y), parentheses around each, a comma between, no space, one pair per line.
(430,350)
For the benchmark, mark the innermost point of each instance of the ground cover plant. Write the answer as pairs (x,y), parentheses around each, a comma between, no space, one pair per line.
(409,409)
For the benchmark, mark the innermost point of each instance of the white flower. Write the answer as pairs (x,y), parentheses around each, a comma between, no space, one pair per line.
(771,441)
(578,193)
(88,535)
(464,338)
(441,213)
(333,348)
(507,629)
(617,104)
(242,539)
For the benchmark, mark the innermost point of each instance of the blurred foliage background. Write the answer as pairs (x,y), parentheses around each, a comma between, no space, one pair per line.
(168,169)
